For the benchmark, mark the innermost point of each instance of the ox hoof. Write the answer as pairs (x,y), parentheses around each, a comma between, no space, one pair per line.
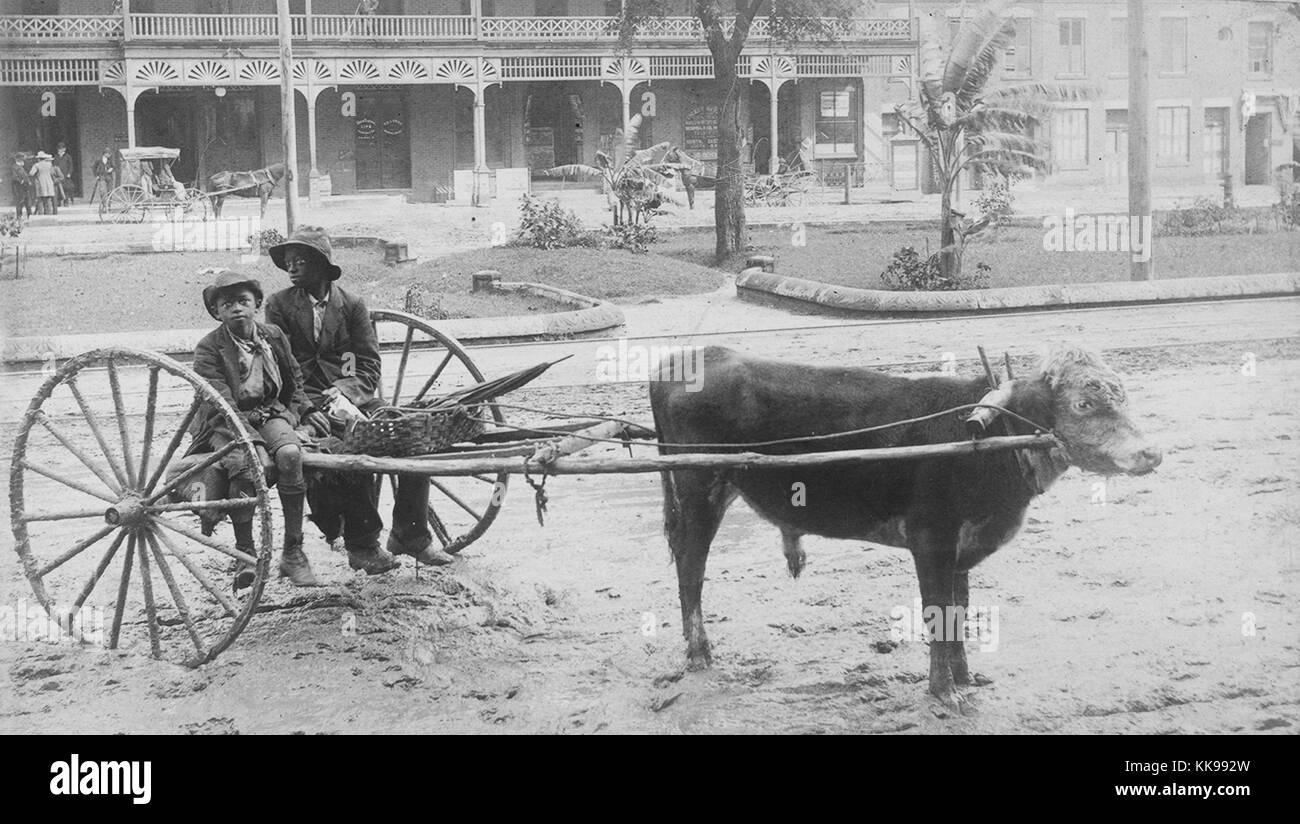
(973,679)
(699,663)
(953,701)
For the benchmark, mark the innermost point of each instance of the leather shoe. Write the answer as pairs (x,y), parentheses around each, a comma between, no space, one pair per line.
(295,567)
(371,559)
(428,554)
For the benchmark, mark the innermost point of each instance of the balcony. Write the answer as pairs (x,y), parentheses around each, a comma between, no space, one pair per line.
(198,28)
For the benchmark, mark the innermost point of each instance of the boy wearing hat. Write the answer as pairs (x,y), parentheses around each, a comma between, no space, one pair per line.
(45,177)
(330,332)
(251,365)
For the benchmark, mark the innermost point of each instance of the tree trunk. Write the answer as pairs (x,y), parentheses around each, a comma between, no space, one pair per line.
(949,254)
(729,194)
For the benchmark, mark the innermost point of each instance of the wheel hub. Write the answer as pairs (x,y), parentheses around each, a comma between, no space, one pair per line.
(130,511)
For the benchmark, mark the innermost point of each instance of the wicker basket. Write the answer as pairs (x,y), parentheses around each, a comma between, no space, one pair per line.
(401,433)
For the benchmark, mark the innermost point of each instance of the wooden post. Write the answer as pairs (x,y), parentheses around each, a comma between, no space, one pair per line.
(288,125)
(1139,128)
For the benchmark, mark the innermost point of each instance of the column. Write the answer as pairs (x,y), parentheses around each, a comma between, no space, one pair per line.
(131,95)
(481,174)
(625,89)
(774,158)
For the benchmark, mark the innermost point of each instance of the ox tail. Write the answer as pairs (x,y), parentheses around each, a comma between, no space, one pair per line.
(671,510)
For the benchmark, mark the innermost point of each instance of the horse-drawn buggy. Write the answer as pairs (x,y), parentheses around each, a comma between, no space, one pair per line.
(143,183)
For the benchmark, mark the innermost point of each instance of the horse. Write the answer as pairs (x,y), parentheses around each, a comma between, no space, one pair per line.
(258,183)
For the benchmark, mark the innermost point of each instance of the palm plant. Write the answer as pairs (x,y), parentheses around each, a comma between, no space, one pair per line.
(962,126)
(638,185)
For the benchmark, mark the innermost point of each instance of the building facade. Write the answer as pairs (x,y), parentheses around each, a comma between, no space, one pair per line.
(441,98)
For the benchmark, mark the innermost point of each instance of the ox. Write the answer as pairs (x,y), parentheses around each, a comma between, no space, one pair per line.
(258,183)
(950,511)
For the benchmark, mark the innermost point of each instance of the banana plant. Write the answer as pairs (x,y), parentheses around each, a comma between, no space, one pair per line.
(637,187)
(964,126)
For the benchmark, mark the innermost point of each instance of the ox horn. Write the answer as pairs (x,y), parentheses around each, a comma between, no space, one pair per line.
(979,420)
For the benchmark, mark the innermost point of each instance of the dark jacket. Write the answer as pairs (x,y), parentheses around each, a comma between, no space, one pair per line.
(216,360)
(347,355)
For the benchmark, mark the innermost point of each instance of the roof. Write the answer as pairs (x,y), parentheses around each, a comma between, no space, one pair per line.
(149,153)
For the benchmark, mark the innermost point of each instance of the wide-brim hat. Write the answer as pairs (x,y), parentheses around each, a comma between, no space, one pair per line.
(224,280)
(309,237)
(44,156)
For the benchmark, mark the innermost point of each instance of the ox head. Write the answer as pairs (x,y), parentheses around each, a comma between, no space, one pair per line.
(1090,411)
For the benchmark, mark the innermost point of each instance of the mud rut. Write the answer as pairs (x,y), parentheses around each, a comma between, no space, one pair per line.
(1132,615)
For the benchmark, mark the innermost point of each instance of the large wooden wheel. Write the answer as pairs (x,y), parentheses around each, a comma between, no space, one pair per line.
(82,499)
(195,205)
(430,363)
(125,204)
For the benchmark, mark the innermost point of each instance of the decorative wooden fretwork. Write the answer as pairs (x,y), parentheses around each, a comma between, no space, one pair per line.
(408,71)
(681,65)
(359,71)
(550,68)
(49,27)
(259,71)
(156,72)
(456,70)
(73,71)
(315,71)
(209,73)
(112,73)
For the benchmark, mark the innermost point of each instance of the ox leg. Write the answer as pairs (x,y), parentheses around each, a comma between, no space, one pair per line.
(794,554)
(216,207)
(936,566)
(263,197)
(961,595)
(693,507)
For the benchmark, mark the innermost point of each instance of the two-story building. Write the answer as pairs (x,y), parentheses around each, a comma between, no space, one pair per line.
(427,96)
(419,95)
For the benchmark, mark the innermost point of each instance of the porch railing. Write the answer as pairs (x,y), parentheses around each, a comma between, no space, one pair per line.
(346,27)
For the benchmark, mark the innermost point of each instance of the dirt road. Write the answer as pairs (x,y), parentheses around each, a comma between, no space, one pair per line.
(1157,604)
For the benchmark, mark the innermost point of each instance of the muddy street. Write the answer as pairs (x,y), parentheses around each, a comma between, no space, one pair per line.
(1164,603)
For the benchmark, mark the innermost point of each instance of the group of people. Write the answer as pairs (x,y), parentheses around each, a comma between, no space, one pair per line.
(316,344)
(42,185)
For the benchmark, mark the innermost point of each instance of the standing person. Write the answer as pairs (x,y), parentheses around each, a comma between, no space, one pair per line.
(63,162)
(20,187)
(336,347)
(103,174)
(42,175)
(251,366)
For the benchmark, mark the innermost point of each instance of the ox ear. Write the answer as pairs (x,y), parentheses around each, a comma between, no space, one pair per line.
(1057,363)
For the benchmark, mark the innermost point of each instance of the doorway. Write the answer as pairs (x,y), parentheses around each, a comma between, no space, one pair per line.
(1259,144)
(169,120)
(383,144)
(1215,163)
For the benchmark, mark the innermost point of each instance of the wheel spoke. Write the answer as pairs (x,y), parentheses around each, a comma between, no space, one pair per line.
(197,571)
(178,598)
(66,481)
(115,384)
(151,609)
(174,444)
(204,540)
(485,479)
(98,573)
(208,460)
(97,432)
(151,410)
(401,366)
(122,588)
(438,527)
(74,551)
(434,377)
(195,506)
(445,491)
(62,515)
(62,438)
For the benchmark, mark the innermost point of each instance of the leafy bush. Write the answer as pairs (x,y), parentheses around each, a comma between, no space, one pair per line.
(635,237)
(422,303)
(544,224)
(908,272)
(10,227)
(265,239)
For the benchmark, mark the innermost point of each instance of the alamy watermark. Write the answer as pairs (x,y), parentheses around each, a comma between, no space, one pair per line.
(224,234)
(1099,233)
(632,363)
(952,623)
(28,621)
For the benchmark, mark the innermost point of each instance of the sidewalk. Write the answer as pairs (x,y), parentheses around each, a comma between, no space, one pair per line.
(438,229)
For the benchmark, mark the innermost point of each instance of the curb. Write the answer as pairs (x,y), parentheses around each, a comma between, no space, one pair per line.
(755,284)
(591,315)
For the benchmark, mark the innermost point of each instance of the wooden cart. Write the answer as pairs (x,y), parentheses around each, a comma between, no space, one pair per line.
(100,444)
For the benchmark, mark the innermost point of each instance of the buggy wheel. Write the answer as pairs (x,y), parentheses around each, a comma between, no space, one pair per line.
(123,499)
(423,363)
(125,204)
(195,206)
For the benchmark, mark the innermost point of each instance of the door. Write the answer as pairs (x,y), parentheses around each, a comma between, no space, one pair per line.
(169,121)
(1115,162)
(1215,157)
(1259,140)
(382,143)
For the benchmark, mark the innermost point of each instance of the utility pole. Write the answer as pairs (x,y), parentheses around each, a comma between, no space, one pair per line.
(1139,133)
(288,126)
